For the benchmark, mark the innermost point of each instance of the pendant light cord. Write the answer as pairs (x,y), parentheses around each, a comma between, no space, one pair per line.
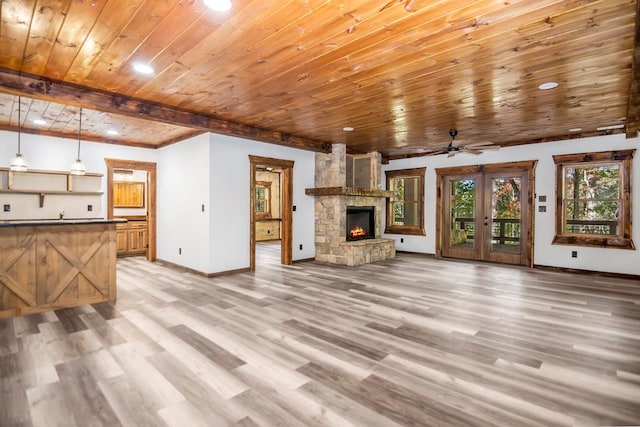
(79,130)
(19,121)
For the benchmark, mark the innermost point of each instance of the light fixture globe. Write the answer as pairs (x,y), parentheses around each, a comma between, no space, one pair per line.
(78,168)
(19,164)
(218,5)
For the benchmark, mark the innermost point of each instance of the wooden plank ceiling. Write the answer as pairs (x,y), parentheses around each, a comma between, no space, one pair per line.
(401,73)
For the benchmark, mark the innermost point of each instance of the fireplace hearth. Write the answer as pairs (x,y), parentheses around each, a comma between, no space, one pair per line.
(361,223)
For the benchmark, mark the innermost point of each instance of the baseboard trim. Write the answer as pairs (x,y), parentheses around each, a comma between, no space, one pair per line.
(296,261)
(416,253)
(588,272)
(198,272)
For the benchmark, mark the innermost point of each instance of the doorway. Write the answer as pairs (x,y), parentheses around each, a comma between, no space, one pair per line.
(265,212)
(485,212)
(146,238)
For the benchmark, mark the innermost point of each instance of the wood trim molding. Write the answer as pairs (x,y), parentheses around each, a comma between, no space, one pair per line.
(37,87)
(286,214)
(150,168)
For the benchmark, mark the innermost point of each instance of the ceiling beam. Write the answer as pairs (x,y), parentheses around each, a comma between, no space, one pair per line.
(66,93)
(633,106)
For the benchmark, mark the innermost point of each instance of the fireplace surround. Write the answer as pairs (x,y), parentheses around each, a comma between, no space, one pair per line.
(333,197)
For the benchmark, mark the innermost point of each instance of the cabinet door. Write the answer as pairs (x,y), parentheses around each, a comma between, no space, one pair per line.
(121,241)
(136,240)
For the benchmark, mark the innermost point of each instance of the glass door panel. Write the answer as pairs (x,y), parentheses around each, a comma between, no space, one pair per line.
(506,214)
(462,213)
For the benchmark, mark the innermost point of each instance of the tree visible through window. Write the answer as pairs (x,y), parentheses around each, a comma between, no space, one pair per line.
(593,199)
(405,210)
(262,200)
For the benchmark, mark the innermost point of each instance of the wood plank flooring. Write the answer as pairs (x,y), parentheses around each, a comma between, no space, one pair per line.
(413,341)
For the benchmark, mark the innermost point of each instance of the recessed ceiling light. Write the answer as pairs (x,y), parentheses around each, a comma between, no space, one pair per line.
(548,85)
(575,129)
(39,122)
(112,132)
(143,68)
(347,129)
(610,127)
(218,5)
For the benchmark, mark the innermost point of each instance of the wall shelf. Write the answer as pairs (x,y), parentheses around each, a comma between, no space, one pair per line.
(27,183)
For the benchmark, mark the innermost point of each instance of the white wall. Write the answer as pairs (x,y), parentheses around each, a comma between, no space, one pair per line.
(183,187)
(230,196)
(49,153)
(595,259)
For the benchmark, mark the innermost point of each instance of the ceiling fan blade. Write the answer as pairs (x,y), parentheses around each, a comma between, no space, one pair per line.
(480,144)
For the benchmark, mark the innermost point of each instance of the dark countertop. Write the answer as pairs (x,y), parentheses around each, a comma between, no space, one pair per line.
(32,223)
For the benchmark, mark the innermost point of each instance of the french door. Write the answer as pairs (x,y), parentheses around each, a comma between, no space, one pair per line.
(485,212)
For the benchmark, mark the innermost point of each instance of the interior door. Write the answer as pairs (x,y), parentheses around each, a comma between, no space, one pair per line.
(486,213)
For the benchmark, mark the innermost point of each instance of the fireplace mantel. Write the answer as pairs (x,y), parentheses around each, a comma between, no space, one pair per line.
(347,191)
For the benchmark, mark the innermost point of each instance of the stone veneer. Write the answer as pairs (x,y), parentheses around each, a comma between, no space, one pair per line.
(331,200)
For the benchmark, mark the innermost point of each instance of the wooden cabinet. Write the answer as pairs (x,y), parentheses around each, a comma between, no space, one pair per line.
(267,229)
(131,238)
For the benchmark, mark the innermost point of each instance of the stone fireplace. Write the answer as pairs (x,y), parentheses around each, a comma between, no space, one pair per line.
(335,194)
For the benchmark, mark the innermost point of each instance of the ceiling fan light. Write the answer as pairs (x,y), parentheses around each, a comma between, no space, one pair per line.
(19,164)
(218,5)
(78,168)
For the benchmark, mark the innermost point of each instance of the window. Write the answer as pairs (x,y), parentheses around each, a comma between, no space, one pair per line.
(262,203)
(593,199)
(405,209)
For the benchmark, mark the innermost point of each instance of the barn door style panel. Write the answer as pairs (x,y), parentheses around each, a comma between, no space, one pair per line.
(49,267)
(17,275)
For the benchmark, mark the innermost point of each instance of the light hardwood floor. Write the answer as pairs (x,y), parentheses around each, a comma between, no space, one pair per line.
(413,341)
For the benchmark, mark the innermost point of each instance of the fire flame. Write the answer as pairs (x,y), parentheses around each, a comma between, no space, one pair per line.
(357,231)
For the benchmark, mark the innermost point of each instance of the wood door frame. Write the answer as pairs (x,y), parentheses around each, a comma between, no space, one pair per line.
(525,167)
(286,245)
(150,168)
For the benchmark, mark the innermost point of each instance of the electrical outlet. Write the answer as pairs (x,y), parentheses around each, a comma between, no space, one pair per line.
(300,246)
(294,208)
(542,208)
(7,208)
(90,208)
(542,199)
(402,240)
(179,251)
(574,254)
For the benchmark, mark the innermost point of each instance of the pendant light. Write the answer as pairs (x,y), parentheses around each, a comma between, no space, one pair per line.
(78,167)
(19,164)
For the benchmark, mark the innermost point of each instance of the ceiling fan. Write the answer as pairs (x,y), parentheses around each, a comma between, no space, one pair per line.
(456,147)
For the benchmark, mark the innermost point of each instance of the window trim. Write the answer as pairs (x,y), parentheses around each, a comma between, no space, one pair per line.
(405,229)
(623,239)
(267,200)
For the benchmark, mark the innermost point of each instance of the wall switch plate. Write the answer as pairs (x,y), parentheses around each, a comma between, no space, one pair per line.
(542,198)
(90,208)
(179,251)
(202,207)
(7,208)
(574,254)
(402,240)
(301,246)
(542,208)
(294,208)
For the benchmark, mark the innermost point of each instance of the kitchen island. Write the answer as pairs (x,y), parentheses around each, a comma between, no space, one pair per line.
(47,265)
